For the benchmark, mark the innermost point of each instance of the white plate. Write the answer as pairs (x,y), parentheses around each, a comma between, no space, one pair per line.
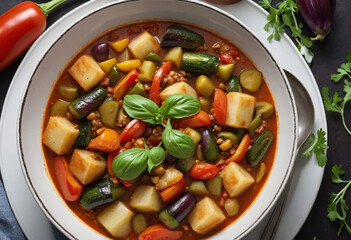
(306,179)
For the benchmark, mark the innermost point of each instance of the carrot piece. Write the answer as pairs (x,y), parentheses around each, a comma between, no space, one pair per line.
(159,232)
(123,86)
(220,106)
(70,188)
(240,152)
(108,141)
(172,192)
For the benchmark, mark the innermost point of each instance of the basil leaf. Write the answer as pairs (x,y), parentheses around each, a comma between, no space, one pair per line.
(156,157)
(130,164)
(180,106)
(177,143)
(142,108)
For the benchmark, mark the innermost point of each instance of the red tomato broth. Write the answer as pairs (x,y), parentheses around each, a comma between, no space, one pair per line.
(246,199)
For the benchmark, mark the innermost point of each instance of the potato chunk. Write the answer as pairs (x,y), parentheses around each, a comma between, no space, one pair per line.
(140,46)
(145,198)
(87,166)
(179,87)
(171,177)
(240,108)
(60,135)
(205,216)
(117,219)
(235,179)
(87,72)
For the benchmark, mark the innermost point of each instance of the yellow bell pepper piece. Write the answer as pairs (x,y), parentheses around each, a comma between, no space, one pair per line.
(108,64)
(128,65)
(120,45)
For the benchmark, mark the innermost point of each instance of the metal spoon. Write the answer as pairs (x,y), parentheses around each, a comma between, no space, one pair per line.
(305,112)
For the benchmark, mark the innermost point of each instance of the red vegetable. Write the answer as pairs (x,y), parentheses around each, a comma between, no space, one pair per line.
(134,129)
(229,57)
(155,87)
(174,191)
(318,15)
(220,106)
(126,183)
(110,158)
(20,27)
(123,86)
(159,232)
(203,171)
(70,187)
(201,119)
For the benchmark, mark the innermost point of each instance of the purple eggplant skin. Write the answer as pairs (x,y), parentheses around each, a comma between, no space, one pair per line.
(180,207)
(100,51)
(318,15)
(169,159)
(209,146)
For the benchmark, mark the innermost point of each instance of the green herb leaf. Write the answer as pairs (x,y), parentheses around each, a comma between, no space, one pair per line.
(180,106)
(129,164)
(318,146)
(344,70)
(177,143)
(156,157)
(142,108)
(337,201)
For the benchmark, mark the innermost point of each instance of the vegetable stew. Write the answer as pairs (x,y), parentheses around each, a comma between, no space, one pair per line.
(160,129)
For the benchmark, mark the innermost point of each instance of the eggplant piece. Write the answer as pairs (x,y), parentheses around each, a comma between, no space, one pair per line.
(87,103)
(176,210)
(169,159)
(199,63)
(178,36)
(209,146)
(100,52)
(99,193)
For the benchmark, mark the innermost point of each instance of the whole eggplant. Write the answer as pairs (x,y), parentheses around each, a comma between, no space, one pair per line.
(318,15)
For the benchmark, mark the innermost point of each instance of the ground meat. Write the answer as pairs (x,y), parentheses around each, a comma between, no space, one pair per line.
(203,48)
(113,37)
(174,77)
(121,122)
(152,28)
(217,128)
(222,86)
(147,87)
(153,135)
(109,90)
(135,29)
(261,128)
(221,47)
(104,82)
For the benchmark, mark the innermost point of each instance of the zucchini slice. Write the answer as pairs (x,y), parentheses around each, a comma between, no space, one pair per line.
(251,80)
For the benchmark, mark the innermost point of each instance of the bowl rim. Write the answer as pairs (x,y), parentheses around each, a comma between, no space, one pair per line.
(103,6)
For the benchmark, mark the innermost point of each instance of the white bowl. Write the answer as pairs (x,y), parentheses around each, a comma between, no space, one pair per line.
(66,37)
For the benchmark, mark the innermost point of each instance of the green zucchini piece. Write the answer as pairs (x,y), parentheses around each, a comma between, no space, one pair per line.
(153,57)
(264,109)
(184,165)
(84,136)
(113,76)
(68,93)
(139,223)
(260,147)
(198,188)
(251,80)
(254,125)
(99,193)
(138,89)
(234,85)
(234,138)
(108,113)
(59,108)
(200,63)
(178,36)
(167,219)
(214,186)
(87,103)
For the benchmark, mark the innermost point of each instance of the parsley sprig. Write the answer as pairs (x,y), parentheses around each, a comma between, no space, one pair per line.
(336,103)
(318,145)
(337,201)
(344,70)
(283,15)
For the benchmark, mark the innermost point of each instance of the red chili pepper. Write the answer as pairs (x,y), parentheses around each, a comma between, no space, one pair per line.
(155,87)
(134,129)
(20,27)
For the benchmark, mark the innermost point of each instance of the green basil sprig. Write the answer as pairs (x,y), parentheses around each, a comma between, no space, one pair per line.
(142,108)
(179,106)
(129,164)
(178,144)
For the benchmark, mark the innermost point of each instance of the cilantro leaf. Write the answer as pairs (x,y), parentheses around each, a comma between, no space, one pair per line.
(344,70)
(318,146)
(337,171)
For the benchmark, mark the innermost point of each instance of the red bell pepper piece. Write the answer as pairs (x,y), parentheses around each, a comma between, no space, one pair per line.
(174,191)
(110,158)
(155,87)
(203,171)
(220,106)
(108,141)
(126,183)
(159,232)
(70,188)
(134,129)
(229,57)
(125,84)
(201,119)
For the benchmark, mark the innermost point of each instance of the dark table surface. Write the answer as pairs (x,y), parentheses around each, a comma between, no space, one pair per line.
(329,54)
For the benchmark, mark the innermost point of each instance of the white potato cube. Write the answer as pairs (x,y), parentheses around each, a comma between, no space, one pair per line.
(60,135)
(143,44)
(117,219)
(235,179)
(240,109)
(87,166)
(145,198)
(87,72)
(179,87)
(205,216)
